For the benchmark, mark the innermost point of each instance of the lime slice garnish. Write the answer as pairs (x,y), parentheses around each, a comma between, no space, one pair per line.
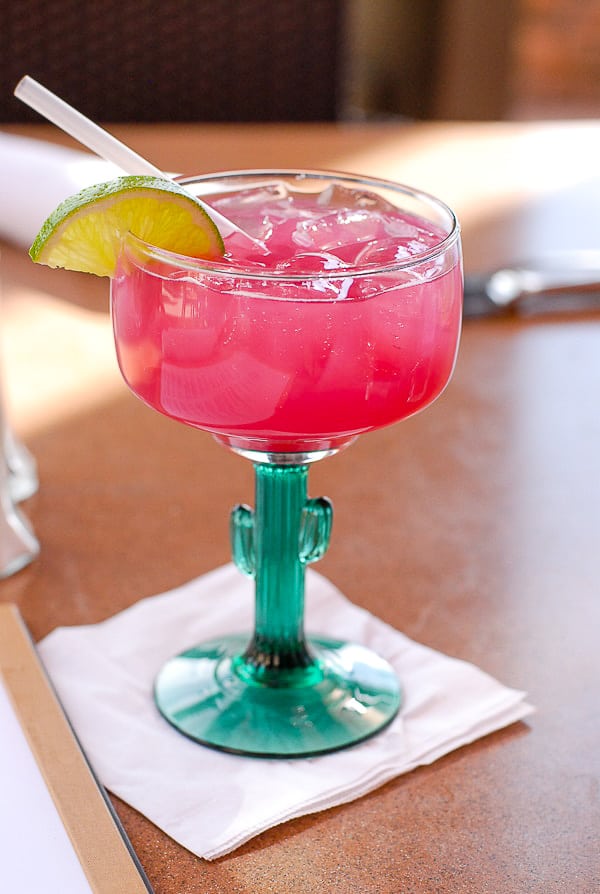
(84,233)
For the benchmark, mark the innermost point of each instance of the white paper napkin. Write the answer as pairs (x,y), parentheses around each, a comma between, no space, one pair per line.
(211,802)
(35,177)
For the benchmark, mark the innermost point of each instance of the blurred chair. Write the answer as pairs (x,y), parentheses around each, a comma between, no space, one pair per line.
(176,60)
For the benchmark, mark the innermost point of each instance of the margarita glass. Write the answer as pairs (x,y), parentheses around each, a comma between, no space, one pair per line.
(342,316)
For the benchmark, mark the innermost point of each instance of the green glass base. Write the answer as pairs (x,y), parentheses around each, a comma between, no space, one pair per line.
(211,695)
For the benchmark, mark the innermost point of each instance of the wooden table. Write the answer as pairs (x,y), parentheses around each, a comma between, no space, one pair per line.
(473,527)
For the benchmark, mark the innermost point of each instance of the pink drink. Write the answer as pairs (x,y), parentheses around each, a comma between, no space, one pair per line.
(348,321)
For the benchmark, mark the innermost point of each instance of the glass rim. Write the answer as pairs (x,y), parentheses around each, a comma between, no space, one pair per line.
(233,269)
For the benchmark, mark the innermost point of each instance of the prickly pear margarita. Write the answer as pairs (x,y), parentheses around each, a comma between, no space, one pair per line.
(335,311)
(342,319)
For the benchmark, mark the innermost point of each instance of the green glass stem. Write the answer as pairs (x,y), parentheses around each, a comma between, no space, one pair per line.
(274,694)
(273,544)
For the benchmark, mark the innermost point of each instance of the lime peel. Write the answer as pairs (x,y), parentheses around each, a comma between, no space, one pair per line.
(85,231)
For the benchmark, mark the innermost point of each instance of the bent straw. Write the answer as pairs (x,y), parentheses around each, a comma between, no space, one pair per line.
(101,142)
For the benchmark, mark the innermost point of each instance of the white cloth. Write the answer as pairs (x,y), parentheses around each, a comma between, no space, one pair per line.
(35,177)
(209,801)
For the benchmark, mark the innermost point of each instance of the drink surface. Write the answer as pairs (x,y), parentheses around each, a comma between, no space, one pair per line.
(300,343)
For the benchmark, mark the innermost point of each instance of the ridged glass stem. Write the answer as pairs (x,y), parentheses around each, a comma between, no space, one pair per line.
(273,544)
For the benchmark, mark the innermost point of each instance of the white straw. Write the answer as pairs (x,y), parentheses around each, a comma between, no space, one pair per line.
(81,128)
(100,141)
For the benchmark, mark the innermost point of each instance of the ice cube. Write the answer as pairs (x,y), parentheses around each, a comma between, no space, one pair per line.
(264,192)
(336,196)
(397,247)
(400,228)
(383,253)
(311,262)
(337,229)
(257,208)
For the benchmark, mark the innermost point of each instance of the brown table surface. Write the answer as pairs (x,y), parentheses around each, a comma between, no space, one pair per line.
(473,527)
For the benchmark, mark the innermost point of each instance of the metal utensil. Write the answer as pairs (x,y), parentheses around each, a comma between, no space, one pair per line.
(558,282)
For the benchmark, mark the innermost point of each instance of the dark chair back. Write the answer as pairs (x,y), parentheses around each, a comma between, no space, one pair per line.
(176,60)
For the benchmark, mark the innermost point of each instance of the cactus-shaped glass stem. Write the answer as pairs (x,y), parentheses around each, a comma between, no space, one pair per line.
(273,544)
(273,692)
